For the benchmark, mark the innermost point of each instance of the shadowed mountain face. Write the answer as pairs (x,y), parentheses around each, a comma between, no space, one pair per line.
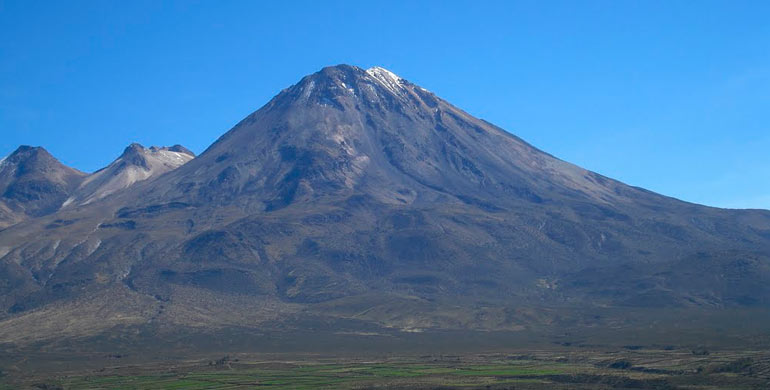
(357,195)
(33,183)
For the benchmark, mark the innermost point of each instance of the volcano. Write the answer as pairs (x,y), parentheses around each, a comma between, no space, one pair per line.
(359,199)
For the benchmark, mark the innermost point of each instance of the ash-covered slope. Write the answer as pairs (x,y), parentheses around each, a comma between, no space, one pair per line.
(33,183)
(370,131)
(136,164)
(356,194)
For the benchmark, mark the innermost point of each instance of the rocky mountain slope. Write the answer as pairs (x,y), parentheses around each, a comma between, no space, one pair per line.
(137,163)
(33,183)
(357,196)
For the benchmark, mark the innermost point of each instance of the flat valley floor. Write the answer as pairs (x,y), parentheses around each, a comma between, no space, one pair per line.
(629,367)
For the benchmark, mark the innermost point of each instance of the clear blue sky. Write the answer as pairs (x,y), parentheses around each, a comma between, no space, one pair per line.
(673,96)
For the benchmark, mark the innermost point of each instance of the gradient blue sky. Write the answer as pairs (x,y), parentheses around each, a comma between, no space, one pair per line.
(673,96)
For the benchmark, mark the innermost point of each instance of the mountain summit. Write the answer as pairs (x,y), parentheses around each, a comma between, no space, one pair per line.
(346,128)
(137,163)
(33,183)
(358,197)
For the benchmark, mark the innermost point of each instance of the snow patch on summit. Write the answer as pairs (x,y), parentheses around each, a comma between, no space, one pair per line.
(388,79)
(6,165)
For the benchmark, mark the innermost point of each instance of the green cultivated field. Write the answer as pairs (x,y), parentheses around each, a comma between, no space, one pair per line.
(620,369)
